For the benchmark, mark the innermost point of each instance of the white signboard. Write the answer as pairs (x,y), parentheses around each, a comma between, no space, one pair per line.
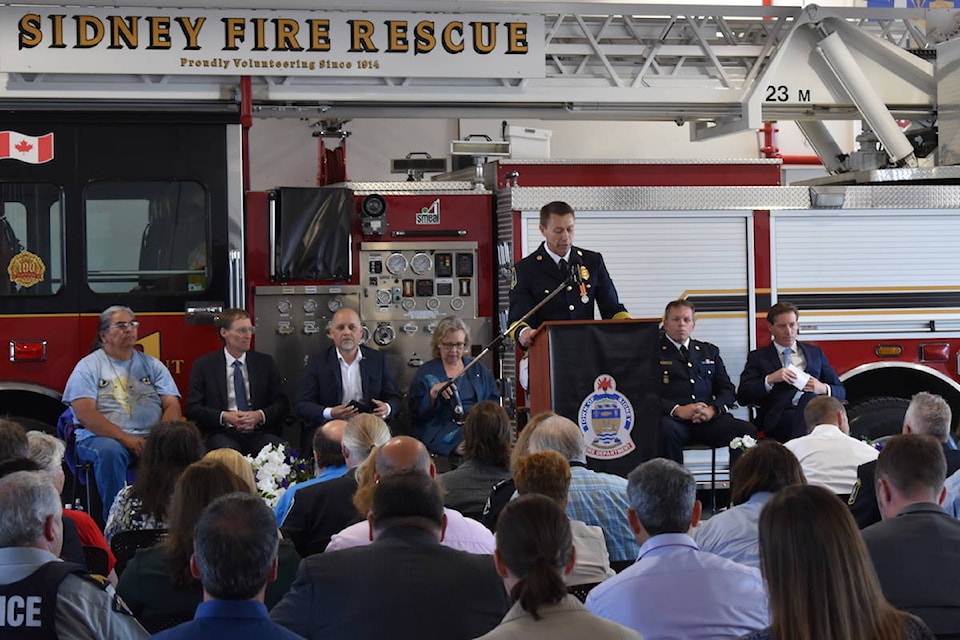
(277,43)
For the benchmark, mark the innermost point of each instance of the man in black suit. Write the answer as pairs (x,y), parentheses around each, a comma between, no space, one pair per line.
(696,394)
(414,587)
(927,415)
(769,375)
(916,548)
(551,264)
(235,396)
(346,379)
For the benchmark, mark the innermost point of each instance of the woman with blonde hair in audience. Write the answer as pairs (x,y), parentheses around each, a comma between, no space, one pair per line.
(534,551)
(754,479)
(234,460)
(170,448)
(158,584)
(820,580)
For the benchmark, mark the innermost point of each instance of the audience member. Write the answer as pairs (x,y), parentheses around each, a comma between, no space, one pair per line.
(47,452)
(170,447)
(828,455)
(236,394)
(42,596)
(534,550)
(928,414)
(916,548)
(674,590)
(159,582)
(328,463)
(237,463)
(487,438)
(323,509)
(771,373)
(415,587)
(548,473)
(696,394)
(598,499)
(400,454)
(118,393)
(819,578)
(754,478)
(235,557)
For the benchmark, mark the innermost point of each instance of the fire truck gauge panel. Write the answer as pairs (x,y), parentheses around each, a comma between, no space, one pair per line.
(421,263)
(445,287)
(456,304)
(384,297)
(433,304)
(444,265)
(384,335)
(334,305)
(284,306)
(396,263)
(465,265)
(310,327)
(309,305)
(424,288)
(408,304)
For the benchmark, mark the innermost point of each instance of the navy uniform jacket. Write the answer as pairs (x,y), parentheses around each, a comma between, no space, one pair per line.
(537,275)
(703,379)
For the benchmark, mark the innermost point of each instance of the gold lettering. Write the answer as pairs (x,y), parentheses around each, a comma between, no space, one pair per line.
(89,31)
(57,21)
(120,29)
(517,38)
(424,39)
(159,32)
(479,44)
(361,36)
(233,33)
(446,37)
(191,31)
(319,35)
(175,366)
(30,33)
(397,41)
(259,34)
(286,34)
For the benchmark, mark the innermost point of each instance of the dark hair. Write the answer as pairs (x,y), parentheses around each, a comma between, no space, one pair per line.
(234,543)
(171,446)
(546,473)
(17,464)
(820,579)
(408,497)
(769,466)
(328,452)
(13,440)
(555,208)
(200,484)
(662,493)
(821,410)
(228,317)
(681,302)
(487,434)
(913,463)
(534,541)
(779,309)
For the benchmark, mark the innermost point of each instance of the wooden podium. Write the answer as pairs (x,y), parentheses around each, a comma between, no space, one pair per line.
(602,374)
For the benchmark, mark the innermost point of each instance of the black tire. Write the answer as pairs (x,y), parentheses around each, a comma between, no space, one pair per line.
(877,417)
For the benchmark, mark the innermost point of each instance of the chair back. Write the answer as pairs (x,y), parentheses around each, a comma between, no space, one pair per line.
(581,590)
(126,543)
(97,560)
(67,431)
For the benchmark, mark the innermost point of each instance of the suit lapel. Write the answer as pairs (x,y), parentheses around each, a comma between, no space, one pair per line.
(221,377)
(252,379)
(547,265)
(334,363)
(364,373)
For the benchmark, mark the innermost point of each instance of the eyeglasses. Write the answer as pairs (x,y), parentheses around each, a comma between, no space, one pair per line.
(245,330)
(123,326)
(453,345)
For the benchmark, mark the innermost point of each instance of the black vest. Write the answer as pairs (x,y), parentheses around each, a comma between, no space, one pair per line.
(28,606)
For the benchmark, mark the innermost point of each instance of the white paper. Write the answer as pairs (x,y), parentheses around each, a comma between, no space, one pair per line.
(802,376)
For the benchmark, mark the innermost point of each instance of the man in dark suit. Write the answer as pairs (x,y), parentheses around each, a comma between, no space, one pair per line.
(696,394)
(235,396)
(346,379)
(415,587)
(927,415)
(916,548)
(769,375)
(552,264)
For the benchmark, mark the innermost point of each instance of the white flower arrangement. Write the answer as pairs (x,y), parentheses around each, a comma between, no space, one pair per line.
(743,443)
(275,470)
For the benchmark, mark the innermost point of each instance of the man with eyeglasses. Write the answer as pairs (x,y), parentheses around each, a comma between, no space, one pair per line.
(117,394)
(236,395)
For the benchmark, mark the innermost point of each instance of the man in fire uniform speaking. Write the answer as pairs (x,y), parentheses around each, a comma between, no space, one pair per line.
(552,263)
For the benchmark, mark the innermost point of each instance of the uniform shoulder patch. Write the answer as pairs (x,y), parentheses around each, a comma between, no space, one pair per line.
(513,277)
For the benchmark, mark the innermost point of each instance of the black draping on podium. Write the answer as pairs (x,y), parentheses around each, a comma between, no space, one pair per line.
(603,377)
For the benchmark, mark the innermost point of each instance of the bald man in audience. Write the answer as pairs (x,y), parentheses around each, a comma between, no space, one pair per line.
(916,547)
(400,454)
(828,455)
(328,463)
(405,585)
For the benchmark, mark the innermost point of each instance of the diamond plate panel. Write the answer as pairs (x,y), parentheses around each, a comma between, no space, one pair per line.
(405,188)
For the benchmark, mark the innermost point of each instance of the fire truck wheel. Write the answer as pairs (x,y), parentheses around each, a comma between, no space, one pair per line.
(877,417)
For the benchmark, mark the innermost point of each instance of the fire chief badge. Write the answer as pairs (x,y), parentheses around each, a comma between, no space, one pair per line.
(606,418)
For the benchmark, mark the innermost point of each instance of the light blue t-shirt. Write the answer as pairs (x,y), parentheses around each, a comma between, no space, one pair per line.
(127,392)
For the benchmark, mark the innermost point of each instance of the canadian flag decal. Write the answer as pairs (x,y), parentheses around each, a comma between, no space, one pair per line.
(17,146)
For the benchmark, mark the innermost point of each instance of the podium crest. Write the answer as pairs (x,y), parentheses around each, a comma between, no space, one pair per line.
(606,419)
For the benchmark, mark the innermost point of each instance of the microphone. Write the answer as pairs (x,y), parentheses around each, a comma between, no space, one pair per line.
(457,404)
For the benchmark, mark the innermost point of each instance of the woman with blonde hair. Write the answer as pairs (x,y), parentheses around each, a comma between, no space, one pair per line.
(234,460)
(820,580)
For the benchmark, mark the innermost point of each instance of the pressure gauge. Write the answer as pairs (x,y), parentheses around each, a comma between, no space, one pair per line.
(396,263)
(384,296)
(334,304)
(433,304)
(309,305)
(456,304)
(421,263)
(408,304)
(384,335)
(284,307)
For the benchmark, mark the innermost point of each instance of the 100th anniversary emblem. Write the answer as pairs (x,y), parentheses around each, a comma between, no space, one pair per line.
(606,418)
